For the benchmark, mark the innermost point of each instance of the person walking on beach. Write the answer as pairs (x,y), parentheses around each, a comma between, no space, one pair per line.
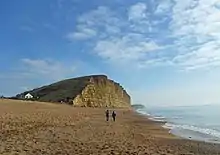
(114,115)
(107,115)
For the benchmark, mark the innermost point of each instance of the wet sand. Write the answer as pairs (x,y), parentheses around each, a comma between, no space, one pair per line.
(32,128)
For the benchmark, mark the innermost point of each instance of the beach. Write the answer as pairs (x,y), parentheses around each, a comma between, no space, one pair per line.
(32,128)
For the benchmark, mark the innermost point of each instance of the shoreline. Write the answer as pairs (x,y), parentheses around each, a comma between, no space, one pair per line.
(182,133)
(39,128)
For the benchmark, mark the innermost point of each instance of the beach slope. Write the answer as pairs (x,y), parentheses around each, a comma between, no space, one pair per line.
(42,128)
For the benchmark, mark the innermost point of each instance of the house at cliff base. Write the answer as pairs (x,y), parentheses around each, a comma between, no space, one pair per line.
(28,96)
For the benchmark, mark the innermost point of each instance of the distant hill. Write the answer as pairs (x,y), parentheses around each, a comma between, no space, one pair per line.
(87,91)
(138,106)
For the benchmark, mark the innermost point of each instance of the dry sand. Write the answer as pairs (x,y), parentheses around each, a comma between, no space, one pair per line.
(41,128)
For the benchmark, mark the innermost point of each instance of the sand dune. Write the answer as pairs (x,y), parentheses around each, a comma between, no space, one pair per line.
(41,128)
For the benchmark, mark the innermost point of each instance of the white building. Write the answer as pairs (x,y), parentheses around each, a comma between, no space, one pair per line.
(28,96)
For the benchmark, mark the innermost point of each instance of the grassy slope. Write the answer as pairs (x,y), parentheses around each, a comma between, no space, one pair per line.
(61,90)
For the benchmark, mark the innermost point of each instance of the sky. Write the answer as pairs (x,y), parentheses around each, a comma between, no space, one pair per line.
(163,52)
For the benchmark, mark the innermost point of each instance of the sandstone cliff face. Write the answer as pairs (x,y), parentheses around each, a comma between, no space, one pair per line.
(102,92)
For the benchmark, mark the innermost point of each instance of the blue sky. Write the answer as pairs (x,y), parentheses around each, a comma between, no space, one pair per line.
(164,52)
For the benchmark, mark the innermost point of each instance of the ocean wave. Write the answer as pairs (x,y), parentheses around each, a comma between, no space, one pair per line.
(157,119)
(206,131)
(153,118)
(143,112)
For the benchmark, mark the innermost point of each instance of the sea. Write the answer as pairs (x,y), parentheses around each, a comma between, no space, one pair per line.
(201,123)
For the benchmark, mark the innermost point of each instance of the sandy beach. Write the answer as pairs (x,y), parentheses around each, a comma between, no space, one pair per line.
(31,128)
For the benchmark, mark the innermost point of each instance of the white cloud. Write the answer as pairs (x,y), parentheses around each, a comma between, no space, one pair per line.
(100,19)
(206,55)
(83,33)
(186,36)
(138,20)
(196,25)
(120,39)
(137,12)
(155,62)
(96,16)
(124,49)
(164,7)
(47,68)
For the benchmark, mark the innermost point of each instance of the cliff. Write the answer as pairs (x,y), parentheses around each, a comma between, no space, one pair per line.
(87,91)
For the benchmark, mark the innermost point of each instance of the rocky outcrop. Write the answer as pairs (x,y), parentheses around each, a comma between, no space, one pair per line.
(87,91)
(102,92)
